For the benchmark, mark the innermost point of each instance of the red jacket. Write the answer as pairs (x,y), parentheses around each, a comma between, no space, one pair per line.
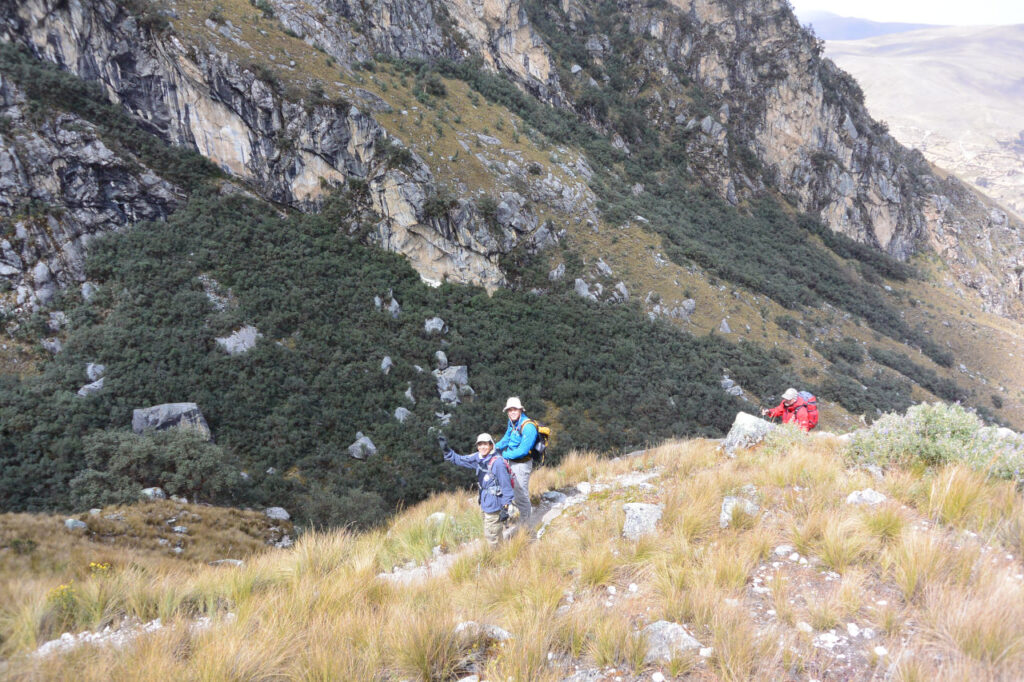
(797,412)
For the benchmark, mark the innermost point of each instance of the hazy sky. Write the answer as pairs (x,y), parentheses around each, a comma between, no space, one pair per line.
(955,12)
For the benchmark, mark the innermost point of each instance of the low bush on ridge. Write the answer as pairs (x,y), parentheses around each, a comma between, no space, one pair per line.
(938,434)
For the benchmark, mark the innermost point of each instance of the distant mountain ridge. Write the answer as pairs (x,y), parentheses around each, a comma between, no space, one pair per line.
(954,93)
(830,26)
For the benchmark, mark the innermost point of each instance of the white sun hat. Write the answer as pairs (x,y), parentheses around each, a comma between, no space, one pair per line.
(484,438)
(513,402)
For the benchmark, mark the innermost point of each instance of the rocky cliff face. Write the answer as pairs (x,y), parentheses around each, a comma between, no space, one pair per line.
(60,160)
(765,92)
(288,151)
(744,86)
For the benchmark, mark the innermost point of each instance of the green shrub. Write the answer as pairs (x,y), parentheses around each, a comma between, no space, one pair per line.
(936,434)
(119,464)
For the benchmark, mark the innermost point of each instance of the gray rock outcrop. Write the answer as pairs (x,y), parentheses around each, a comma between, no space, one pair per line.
(89,389)
(729,506)
(240,341)
(667,641)
(641,519)
(62,163)
(434,325)
(168,415)
(402,414)
(153,494)
(746,431)
(74,525)
(95,372)
(362,448)
(867,496)
(277,514)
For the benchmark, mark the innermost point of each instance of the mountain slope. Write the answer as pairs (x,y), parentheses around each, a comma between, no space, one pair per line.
(830,26)
(805,573)
(953,93)
(618,212)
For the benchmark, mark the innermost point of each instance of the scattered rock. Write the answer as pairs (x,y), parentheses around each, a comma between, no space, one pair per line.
(746,431)
(486,631)
(437,518)
(804,627)
(285,542)
(667,641)
(641,519)
(729,504)
(582,289)
(441,359)
(154,494)
(558,273)
(386,364)
(553,497)
(75,524)
(408,394)
(277,514)
(724,327)
(238,563)
(362,448)
(240,341)
(168,415)
(621,292)
(402,413)
(94,387)
(94,371)
(783,550)
(180,530)
(435,325)
(866,496)
(53,345)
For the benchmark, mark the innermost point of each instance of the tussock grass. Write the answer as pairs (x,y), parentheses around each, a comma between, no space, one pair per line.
(917,561)
(885,522)
(320,611)
(576,467)
(981,623)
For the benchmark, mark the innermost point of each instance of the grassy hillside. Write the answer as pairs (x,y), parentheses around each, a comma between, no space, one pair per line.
(926,584)
(864,332)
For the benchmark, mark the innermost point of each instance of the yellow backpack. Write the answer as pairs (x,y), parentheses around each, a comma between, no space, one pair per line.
(540,446)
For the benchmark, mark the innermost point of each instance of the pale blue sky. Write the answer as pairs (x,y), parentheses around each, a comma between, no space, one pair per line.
(954,12)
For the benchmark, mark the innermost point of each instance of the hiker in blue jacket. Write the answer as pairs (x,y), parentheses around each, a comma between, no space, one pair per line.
(515,446)
(492,477)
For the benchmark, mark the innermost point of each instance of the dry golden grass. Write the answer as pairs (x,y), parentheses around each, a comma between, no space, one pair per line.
(319,611)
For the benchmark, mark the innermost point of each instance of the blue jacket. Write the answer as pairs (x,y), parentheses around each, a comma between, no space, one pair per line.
(492,477)
(518,439)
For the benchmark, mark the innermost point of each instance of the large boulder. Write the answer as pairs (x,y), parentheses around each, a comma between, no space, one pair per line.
(277,514)
(641,519)
(168,415)
(747,431)
(362,448)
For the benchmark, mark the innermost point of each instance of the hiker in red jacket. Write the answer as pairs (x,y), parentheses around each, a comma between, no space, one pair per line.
(793,408)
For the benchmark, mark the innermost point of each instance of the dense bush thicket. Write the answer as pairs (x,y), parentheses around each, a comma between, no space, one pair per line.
(935,435)
(604,375)
(947,389)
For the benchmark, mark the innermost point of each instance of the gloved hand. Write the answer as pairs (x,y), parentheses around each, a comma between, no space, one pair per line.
(442,441)
(503,514)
